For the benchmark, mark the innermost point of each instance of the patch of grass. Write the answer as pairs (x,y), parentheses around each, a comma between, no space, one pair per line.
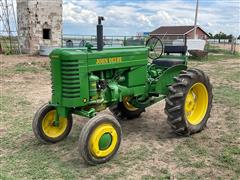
(230,136)
(141,153)
(192,175)
(198,164)
(191,154)
(227,95)
(197,149)
(159,173)
(212,57)
(165,174)
(112,175)
(26,67)
(228,157)
(31,67)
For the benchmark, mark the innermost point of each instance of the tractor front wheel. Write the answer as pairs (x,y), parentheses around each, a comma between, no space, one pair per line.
(44,128)
(189,102)
(125,111)
(100,139)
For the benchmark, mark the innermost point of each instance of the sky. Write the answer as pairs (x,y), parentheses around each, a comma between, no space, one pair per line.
(127,17)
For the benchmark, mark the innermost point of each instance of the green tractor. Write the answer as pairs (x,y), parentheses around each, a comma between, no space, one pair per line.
(88,80)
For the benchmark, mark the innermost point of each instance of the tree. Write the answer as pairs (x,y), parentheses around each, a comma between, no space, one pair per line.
(230,37)
(210,35)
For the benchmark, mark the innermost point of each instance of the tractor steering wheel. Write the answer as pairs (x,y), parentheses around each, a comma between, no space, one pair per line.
(155,47)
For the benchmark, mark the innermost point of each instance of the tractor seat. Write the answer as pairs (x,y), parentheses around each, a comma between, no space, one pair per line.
(166,63)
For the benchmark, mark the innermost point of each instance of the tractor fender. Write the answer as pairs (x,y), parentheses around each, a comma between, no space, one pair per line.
(166,79)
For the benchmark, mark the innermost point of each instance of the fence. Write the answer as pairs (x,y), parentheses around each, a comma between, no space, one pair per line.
(222,41)
(109,41)
(118,41)
(226,44)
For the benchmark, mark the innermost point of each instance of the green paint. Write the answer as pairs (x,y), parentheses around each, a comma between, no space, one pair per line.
(105,141)
(85,81)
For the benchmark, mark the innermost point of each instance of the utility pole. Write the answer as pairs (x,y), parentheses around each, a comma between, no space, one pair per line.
(195,22)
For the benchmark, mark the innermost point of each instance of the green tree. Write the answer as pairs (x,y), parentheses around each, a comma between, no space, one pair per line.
(210,35)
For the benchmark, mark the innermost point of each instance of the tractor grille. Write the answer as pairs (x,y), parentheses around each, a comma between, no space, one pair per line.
(52,80)
(70,78)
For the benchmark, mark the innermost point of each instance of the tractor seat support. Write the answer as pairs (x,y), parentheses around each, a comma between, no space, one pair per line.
(166,63)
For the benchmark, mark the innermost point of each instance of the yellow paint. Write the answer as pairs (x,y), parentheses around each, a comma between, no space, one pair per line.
(127,105)
(109,60)
(95,137)
(196,103)
(48,127)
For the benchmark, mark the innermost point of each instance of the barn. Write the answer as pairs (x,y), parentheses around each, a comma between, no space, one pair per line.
(177,32)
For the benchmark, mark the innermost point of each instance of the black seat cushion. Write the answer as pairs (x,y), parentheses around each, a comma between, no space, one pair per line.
(175,49)
(167,62)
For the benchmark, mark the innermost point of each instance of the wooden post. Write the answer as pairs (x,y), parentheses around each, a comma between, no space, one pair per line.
(233,45)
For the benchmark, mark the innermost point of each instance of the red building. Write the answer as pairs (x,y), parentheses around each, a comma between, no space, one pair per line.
(179,32)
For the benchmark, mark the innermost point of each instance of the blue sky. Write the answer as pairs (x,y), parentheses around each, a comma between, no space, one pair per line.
(127,17)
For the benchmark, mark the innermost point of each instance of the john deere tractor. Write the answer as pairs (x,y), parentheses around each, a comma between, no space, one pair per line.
(126,80)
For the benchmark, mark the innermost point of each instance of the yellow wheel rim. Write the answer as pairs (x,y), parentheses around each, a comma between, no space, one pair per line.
(48,125)
(97,135)
(127,105)
(196,103)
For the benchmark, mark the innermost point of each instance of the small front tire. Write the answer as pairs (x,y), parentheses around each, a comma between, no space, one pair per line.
(43,125)
(100,139)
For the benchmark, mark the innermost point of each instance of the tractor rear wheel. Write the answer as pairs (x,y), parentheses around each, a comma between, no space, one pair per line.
(100,139)
(44,128)
(125,111)
(189,102)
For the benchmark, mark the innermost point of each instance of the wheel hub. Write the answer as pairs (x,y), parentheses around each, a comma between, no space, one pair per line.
(103,140)
(50,129)
(196,103)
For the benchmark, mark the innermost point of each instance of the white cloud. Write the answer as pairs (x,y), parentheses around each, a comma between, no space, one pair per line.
(128,17)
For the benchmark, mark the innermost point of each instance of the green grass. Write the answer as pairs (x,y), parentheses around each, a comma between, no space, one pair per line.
(227,95)
(229,158)
(212,57)
(30,67)
(191,175)
(187,153)
(33,67)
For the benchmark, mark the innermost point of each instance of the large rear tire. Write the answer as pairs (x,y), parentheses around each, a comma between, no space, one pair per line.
(189,102)
(125,111)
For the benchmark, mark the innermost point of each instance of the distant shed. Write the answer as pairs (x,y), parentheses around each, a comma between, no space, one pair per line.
(179,31)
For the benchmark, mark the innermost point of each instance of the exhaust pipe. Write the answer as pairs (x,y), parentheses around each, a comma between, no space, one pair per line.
(100,33)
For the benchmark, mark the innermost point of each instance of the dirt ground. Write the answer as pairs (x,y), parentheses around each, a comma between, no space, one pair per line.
(149,150)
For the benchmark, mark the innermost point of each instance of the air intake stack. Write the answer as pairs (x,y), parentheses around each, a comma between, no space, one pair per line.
(100,33)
